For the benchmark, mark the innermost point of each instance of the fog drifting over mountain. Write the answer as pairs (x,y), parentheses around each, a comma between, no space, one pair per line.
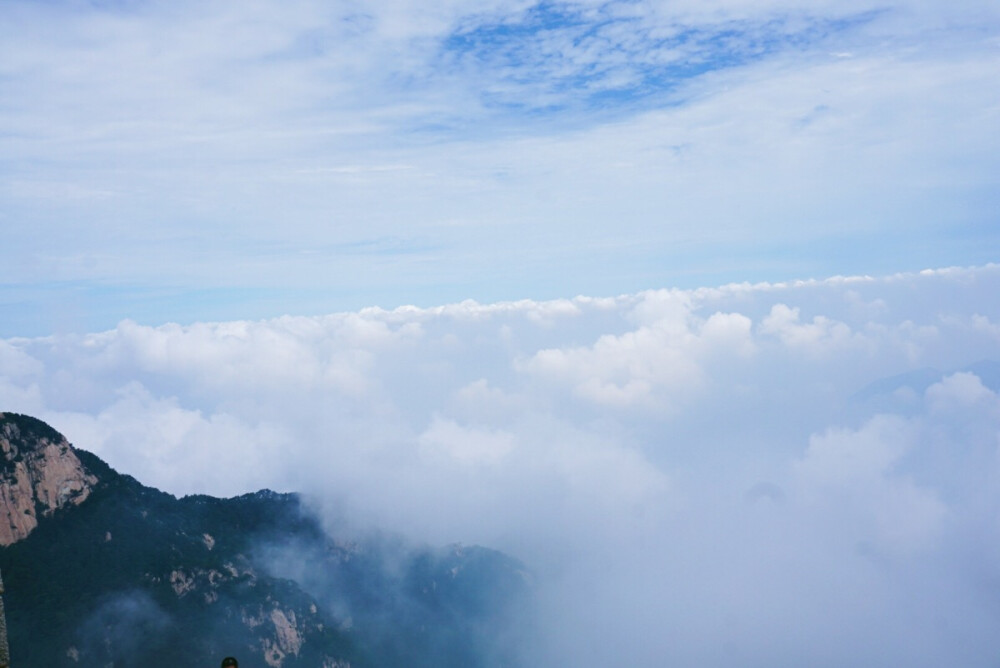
(775,474)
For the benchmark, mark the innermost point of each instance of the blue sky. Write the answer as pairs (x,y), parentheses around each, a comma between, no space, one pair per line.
(704,322)
(187,161)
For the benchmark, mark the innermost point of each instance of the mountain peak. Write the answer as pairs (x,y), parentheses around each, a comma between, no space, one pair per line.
(39,474)
(199,578)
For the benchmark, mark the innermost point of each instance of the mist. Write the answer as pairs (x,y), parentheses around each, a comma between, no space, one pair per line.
(789,474)
(119,629)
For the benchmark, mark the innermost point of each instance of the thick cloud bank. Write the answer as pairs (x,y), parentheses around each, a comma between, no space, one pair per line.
(776,474)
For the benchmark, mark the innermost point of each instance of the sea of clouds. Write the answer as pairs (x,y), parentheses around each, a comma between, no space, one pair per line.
(791,474)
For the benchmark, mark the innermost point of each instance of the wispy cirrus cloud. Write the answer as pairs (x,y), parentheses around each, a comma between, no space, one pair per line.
(162,160)
(553,56)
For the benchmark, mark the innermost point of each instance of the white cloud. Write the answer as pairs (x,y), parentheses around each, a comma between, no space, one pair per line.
(18,364)
(663,460)
(466,445)
(654,366)
(983,323)
(337,154)
(962,390)
(817,335)
(840,456)
(166,160)
(185,451)
(855,470)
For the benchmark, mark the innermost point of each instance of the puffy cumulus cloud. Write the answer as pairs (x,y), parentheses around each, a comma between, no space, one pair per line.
(149,437)
(333,352)
(653,366)
(962,390)
(854,470)
(20,398)
(984,324)
(16,363)
(464,444)
(18,371)
(779,474)
(821,333)
(849,552)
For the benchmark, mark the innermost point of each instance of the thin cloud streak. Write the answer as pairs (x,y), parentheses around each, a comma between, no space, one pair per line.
(204,146)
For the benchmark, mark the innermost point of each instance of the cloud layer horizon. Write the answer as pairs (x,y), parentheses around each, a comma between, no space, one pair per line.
(803,473)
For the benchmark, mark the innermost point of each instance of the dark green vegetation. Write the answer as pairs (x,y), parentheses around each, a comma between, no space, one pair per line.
(136,577)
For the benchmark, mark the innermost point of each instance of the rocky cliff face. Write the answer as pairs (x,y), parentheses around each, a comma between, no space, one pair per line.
(39,474)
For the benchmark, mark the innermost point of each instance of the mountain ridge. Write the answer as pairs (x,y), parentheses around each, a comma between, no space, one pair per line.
(40,473)
(121,574)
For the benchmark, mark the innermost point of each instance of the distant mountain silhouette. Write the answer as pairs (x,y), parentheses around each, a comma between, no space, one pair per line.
(919,380)
(101,570)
